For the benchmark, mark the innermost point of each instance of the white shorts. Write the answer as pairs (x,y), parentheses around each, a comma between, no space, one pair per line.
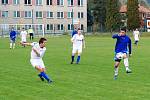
(77,50)
(37,62)
(23,40)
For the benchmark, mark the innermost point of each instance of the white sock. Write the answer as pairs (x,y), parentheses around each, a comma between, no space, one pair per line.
(126,63)
(116,71)
(10,45)
(13,45)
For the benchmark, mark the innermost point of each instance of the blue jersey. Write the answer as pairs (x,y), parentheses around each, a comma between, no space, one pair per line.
(123,43)
(74,32)
(13,35)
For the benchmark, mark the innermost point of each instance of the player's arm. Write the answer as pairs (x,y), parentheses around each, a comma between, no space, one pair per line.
(130,47)
(28,44)
(72,39)
(83,43)
(115,36)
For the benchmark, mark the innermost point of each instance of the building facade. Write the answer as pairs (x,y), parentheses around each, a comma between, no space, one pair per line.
(56,15)
(144,14)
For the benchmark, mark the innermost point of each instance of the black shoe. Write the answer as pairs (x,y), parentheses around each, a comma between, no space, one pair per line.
(42,79)
(115,77)
(50,81)
(71,63)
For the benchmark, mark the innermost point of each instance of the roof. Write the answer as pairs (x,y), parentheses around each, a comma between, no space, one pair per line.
(142,9)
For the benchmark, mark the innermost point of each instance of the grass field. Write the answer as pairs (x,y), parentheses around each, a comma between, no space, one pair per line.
(92,79)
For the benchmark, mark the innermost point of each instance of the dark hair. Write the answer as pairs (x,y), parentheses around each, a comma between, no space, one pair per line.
(123,29)
(79,29)
(42,40)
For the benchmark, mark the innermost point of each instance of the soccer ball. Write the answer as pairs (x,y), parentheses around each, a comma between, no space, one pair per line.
(119,55)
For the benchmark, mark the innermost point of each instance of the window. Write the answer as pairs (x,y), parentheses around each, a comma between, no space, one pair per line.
(39,27)
(27,26)
(60,2)
(27,2)
(39,14)
(70,14)
(16,2)
(39,2)
(80,2)
(28,14)
(49,14)
(16,14)
(5,14)
(4,2)
(60,15)
(48,2)
(60,27)
(49,27)
(70,27)
(70,2)
(82,27)
(80,14)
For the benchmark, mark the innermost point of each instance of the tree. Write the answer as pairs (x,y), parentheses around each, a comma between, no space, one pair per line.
(113,18)
(133,18)
(99,14)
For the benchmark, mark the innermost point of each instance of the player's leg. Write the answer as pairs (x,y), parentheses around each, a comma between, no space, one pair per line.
(116,68)
(24,44)
(126,63)
(78,58)
(74,50)
(79,55)
(117,59)
(30,35)
(40,74)
(11,43)
(136,42)
(42,70)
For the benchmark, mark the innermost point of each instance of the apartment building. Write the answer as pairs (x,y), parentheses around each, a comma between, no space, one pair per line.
(56,15)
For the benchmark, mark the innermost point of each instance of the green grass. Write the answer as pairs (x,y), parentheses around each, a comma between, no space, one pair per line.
(92,79)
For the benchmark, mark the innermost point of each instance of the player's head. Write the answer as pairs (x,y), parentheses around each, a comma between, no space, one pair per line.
(23,28)
(79,31)
(12,29)
(42,42)
(75,29)
(122,31)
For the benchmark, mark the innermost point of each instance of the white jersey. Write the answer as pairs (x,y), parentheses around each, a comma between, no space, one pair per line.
(40,50)
(23,36)
(77,41)
(136,35)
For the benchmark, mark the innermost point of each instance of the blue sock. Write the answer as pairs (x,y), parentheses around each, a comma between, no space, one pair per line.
(72,58)
(40,75)
(45,76)
(78,59)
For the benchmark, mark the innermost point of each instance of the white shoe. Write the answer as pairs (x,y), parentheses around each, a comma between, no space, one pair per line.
(128,71)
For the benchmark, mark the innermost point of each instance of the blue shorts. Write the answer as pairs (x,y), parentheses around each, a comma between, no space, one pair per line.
(12,40)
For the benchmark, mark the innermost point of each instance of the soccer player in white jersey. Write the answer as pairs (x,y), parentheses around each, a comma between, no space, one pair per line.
(38,50)
(23,35)
(136,35)
(78,43)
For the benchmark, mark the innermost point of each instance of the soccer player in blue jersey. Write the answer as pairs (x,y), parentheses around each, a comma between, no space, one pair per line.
(74,32)
(122,48)
(38,50)
(12,38)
